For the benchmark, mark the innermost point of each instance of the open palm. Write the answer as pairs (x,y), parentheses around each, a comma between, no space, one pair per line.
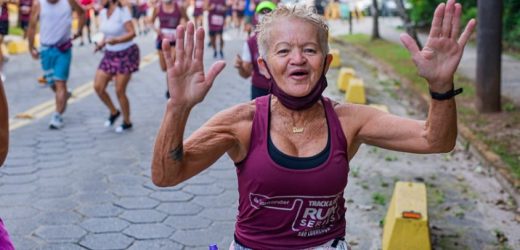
(188,84)
(440,57)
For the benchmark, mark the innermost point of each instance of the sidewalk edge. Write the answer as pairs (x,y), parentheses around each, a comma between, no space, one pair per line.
(506,180)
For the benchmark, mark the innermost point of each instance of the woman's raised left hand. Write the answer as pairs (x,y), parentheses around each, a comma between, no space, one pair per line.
(440,57)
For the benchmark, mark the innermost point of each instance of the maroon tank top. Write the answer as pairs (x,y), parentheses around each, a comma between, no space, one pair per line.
(258,79)
(5,13)
(24,9)
(168,22)
(282,208)
(198,8)
(217,15)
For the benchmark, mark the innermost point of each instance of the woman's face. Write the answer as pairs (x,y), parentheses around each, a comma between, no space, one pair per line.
(294,56)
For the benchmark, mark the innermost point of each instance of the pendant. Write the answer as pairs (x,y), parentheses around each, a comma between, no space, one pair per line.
(297,130)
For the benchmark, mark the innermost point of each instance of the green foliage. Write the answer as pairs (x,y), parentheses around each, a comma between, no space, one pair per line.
(422,14)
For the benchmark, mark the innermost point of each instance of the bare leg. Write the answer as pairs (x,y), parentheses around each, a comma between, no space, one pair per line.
(100,85)
(121,84)
(60,90)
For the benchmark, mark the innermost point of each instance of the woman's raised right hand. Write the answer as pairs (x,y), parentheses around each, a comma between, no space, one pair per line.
(188,84)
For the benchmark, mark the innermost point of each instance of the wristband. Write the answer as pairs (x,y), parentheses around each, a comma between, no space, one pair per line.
(445,96)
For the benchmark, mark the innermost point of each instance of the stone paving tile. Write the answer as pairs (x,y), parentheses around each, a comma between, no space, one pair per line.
(18,170)
(201,179)
(180,208)
(148,231)
(202,190)
(187,222)
(143,216)
(24,161)
(59,218)
(17,212)
(21,226)
(100,210)
(169,196)
(126,179)
(54,192)
(54,172)
(156,245)
(106,241)
(54,164)
(222,200)
(136,203)
(68,233)
(104,225)
(61,246)
(23,242)
(52,157)
(55,204)
(15,199)
(20,179)
(94,197)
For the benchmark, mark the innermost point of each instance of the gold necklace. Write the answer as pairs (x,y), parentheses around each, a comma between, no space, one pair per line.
(297,130)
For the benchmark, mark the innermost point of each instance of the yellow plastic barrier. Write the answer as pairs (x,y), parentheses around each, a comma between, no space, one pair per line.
(345,74)
(17,47)
(356,91)
(336,59)
(406,222)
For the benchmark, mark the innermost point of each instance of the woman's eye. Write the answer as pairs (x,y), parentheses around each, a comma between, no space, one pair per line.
(282,51)
(309,50)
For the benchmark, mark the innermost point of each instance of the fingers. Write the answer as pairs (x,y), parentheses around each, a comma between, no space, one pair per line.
(179,43)
(189,41)
(437,20)
(448,16)
(199,45)
(410,44)
(166,50)
(456,21)
(467,32)
(214,70)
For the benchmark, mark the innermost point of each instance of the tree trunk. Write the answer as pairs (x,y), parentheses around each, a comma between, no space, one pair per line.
(375,16)
(409,26)
(489,55)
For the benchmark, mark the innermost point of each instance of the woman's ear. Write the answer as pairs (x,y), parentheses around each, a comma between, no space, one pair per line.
(328,60)
(262,67)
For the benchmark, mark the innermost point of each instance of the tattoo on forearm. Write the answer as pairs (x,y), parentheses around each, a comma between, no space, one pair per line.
(177,153)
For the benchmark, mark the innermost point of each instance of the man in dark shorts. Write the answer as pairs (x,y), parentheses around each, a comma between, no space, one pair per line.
(216,20)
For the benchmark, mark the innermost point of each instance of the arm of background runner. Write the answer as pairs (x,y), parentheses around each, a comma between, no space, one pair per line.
(151,20)
(184,15)
(4,125)
(31,29)
(80,15)
(244,66)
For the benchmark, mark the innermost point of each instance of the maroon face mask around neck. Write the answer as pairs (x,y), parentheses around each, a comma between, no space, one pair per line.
(298,103)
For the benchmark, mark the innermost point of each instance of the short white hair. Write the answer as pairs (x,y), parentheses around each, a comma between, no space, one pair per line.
(298,11)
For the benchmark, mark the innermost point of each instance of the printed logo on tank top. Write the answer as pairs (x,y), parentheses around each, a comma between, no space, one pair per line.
(314,215)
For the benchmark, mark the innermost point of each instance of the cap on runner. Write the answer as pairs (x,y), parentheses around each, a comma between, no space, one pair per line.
(265,5)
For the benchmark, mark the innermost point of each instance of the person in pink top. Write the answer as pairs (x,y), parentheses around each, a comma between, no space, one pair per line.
(5,242)
(87,5)
(4,27)
(170,15)
(292,148)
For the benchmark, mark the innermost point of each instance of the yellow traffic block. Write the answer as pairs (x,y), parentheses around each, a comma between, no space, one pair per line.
(17,47)
(381,107)
(356,91)
(345,74)
(74,25)
(37,40)
(336,59)
(406,222)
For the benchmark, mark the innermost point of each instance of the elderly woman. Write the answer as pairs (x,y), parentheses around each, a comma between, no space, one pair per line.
(292,148)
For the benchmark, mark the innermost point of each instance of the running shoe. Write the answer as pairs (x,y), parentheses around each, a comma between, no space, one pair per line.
(221,54)
(167,95)
(215,54)
(112,118)
(123,127)
(56,121)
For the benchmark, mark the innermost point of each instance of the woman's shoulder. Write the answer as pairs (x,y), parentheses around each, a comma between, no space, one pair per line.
(243,112)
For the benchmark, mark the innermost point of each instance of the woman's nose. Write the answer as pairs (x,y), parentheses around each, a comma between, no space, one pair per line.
(297,58)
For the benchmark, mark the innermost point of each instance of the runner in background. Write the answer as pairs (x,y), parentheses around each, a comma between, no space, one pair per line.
(170,15)
(87,5)
(121,59)
(24,14)
(4,30)
(55,18)
(247,64)
(142,10)
(216,20)
(238,7)
(198,13)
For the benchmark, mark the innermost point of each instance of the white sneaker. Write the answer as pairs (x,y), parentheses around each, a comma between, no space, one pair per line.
(56,121)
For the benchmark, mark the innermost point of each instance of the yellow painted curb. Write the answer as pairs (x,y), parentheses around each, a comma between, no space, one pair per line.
(46,108)
(406,222)
(345,75)
(336,59)
(17,47)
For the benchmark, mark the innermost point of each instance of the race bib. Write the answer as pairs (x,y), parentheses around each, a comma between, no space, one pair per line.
(217,20)
(199,4)
(168,34)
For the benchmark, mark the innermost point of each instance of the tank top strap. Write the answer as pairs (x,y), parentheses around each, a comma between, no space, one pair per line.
(338,140)
(261,121)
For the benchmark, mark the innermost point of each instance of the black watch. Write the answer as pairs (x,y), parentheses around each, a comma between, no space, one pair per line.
(445,96)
